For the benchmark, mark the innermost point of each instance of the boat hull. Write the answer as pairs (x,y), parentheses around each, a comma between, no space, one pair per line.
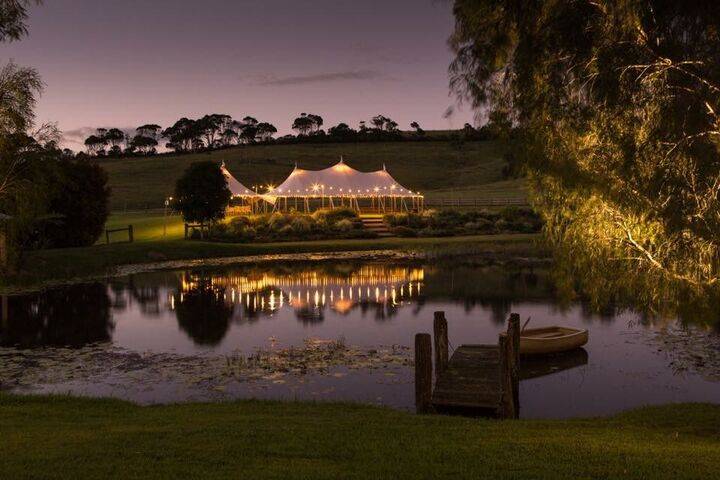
(540,341)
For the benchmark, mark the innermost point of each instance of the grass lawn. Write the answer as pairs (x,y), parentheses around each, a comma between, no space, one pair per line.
(426,166)
(63,437)
(150,225)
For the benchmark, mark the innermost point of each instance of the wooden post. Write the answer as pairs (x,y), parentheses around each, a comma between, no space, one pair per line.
(440,331)
(131,233)
(186,231)
(107,237)
(423,373)
(510,369)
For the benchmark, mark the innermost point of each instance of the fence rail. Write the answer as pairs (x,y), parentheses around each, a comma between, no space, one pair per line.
(475,202)
(130,233)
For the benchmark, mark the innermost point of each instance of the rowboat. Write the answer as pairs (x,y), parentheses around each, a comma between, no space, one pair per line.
(538,341)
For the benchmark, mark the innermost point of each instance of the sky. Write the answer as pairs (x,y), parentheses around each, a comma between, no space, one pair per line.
(109,63)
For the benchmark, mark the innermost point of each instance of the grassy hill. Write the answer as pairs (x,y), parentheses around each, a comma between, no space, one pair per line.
(433,168)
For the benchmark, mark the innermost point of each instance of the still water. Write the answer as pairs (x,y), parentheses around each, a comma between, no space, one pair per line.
(187,334)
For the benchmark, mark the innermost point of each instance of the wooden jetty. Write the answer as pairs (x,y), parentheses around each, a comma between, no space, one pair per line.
(481,378)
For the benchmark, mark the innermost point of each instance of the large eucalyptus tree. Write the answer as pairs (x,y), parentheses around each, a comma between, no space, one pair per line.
(618,104)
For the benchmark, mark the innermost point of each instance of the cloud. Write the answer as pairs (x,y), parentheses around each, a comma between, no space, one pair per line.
(327,77)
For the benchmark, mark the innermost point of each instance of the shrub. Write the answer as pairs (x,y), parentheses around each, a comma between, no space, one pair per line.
(80,198)
(277,221)
(301,224)
(332,216)
(345,225)
(403,231)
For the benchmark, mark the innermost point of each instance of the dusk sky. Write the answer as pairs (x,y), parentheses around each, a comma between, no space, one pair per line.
(125,63)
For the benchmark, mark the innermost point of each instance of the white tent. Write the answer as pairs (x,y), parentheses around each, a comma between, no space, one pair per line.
(236,188)
(343,185)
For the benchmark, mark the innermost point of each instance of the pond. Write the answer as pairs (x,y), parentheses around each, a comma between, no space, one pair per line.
(337,330)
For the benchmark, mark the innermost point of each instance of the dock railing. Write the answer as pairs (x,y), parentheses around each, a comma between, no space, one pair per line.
(482,377)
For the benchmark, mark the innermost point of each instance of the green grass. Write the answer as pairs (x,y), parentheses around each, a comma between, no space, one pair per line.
(45,267)
(63,437)
(145,182)
(150,225)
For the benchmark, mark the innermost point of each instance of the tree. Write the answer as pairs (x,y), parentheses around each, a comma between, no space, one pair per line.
(342,131)
(94,144)
(149,130)
(266,131)
(115,137)
(211,126)
(79,198)
(182,134)
(303,124)
(144,144)
(384,124)
(229,136)
(248,130)
(317,121)
(617,105)
(418,130)
(19,88)
(13,18)
(201,193)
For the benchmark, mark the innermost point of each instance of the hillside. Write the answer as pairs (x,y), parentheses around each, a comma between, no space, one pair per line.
(433,168)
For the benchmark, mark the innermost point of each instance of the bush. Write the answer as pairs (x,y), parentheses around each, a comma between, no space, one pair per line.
(277,221)
(73,207)
(323,224)
(302,225)
(454,222)
(403,231)
(345,225)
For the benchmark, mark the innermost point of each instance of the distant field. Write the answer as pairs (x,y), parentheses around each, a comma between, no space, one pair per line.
(433,168)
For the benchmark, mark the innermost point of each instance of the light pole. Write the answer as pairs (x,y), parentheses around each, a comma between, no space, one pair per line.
(167,204)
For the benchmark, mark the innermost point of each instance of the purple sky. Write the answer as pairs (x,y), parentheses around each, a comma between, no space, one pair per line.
(124,63)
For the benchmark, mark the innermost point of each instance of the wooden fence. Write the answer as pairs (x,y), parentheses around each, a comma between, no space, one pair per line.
(130,232)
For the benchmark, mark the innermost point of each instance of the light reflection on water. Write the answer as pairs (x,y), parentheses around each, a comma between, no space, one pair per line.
(225,310)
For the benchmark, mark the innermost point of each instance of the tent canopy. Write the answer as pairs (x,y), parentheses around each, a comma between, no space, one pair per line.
(340,180)
(236,188)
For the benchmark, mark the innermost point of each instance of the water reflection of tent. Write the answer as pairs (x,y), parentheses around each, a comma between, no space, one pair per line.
(338,186)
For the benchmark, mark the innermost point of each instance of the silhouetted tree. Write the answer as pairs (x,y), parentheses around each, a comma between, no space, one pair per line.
(303,124)
(248,129)
(145,145)
(94,144)
(201,193)
(265,131)
(342,131)
(418,130)
(182,134)
(13,18)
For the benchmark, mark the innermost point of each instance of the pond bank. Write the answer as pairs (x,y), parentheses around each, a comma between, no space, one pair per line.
(55,267)
(64,437)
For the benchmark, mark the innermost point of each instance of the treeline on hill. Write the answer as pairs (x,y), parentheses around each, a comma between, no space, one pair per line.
(218,131)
